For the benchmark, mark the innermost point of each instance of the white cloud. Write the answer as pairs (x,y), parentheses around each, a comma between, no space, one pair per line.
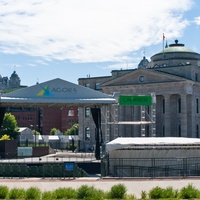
(89,30)
(197,20)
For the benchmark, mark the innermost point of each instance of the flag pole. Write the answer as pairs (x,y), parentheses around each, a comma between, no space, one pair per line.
(163,44)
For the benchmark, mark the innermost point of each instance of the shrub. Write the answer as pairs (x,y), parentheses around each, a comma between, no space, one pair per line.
(117,192)
(47,195)
(189,192)
(130,196)
(33,193)
(169,192)
(156,193)
(98,194)
(16,193)
(143,195)
(3,192)
(67,193)
(88,192)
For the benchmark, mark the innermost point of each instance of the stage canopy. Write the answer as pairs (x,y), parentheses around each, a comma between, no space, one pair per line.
(56,92)
(130,142)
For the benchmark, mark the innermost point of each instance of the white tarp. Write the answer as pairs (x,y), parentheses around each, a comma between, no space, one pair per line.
(126,142)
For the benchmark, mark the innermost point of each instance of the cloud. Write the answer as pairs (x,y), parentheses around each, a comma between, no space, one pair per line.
(197,20)
(89,30)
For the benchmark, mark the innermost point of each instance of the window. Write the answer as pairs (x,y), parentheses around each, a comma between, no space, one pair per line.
(97,86)
(71,113)
(179,105)
(197,131)
(148,109)
(197,105)
(141,79)
(87,133)
(87,85)
(196,77)
(87,112)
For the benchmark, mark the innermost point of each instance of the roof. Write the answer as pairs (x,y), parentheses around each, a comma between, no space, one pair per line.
(55,92)
(177,48)
(126,142)
(22,129)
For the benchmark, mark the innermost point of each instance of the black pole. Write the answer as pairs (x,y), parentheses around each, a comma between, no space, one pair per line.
(97,149)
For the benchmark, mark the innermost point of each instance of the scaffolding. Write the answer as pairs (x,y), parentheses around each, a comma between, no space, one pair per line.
(112,122)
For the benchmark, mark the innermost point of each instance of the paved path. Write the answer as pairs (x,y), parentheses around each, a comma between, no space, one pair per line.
(134,186)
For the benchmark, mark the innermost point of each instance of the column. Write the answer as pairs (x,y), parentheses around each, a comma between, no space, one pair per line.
(183,115)
(167,116)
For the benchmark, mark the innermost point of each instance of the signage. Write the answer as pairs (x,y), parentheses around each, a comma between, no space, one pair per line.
(69,166)
(135,100)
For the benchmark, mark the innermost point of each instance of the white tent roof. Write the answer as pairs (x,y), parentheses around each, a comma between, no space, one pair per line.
(127,142)
(55,92)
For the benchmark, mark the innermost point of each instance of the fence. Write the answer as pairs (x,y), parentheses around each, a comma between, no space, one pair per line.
(22,170)
(153,167)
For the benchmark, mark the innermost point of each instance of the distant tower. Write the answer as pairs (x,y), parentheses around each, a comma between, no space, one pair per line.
(14,81)
(143,63)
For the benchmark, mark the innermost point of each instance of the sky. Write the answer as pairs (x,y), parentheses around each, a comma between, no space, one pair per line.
(71,39)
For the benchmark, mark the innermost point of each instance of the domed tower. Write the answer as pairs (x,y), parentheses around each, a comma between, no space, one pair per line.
(143,63)
(14,81)
(175,55)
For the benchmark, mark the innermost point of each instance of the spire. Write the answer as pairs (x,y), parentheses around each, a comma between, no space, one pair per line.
(166,45)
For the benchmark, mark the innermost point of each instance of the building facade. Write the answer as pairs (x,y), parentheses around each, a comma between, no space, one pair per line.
(173,76)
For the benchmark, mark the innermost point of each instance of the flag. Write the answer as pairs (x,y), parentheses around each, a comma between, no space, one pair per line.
(163,36)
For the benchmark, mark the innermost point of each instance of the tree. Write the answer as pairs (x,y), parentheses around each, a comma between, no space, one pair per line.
(35,132)
(9,126)
(53,131)
(73,130)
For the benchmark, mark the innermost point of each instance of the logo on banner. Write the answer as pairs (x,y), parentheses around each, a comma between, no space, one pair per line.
(45,92)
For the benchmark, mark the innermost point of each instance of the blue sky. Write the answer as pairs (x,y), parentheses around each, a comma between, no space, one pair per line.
(71,39)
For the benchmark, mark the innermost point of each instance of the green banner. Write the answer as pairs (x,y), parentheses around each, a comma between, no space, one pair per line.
(135,100)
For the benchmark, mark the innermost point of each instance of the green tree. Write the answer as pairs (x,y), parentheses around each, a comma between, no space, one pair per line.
(35,132)
(73,130)
(9,126)
(53,131)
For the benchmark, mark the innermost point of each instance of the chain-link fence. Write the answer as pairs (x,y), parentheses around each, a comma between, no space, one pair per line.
(152,167)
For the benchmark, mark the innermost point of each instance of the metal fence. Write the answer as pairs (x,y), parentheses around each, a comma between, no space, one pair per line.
(152,167)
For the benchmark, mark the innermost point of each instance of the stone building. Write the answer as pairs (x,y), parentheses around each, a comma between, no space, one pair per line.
(172,75)
(10,83)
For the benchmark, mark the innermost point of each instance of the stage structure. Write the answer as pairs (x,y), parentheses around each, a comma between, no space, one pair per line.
(147,106)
